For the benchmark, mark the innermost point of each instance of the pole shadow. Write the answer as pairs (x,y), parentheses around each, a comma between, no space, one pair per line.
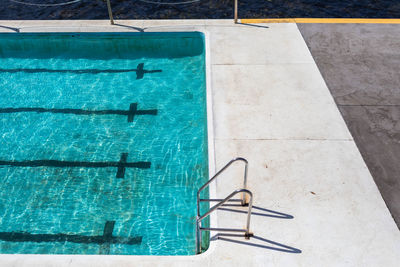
(130,27)
(253,25)
(10,28)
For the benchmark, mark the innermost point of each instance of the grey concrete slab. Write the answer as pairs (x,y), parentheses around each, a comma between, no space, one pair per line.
(360,62)
(353,39)
(360,79)
(377,132)
(361,66)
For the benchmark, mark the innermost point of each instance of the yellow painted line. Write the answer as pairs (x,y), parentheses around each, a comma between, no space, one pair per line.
(321,20)
(268,20)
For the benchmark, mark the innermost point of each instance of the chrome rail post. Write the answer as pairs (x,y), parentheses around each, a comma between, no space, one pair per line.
(248,234)
(236,11)
(198,236)
(245,182)
(110,15)
(216,206)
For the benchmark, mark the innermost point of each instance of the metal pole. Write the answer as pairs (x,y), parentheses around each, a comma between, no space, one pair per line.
(248,234)
(110,12)
(244,202)
(236,11)
(198,236)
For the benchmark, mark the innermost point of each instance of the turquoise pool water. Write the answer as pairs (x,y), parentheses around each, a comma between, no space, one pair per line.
(103,142)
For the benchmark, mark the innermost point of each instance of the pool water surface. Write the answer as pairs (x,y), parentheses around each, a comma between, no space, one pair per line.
(103,142)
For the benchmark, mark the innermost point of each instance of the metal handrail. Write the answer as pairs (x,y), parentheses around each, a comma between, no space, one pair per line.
(199,218)
(217,174)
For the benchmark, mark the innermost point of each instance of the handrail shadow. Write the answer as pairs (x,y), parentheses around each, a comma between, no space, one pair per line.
(268,213)
(276,246)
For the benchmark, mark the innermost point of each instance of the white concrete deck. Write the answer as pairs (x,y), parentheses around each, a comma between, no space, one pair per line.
(272,106)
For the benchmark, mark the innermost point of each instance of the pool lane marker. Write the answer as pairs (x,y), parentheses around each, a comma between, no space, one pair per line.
(107,234)
(140,71)
(131,113)
(121,165)
(134,111)
(104,240)
(323,20)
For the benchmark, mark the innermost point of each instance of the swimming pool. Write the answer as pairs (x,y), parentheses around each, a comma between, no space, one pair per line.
(103,142)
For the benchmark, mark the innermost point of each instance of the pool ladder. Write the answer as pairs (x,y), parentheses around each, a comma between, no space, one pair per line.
(244,191)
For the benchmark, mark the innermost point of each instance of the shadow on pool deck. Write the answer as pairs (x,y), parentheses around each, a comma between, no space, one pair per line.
(264,212)
(10,28)
(255,241)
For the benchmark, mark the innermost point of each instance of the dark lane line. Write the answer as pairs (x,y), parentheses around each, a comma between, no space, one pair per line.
(105,239)
(121,165)
(130,113)
(140,71)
